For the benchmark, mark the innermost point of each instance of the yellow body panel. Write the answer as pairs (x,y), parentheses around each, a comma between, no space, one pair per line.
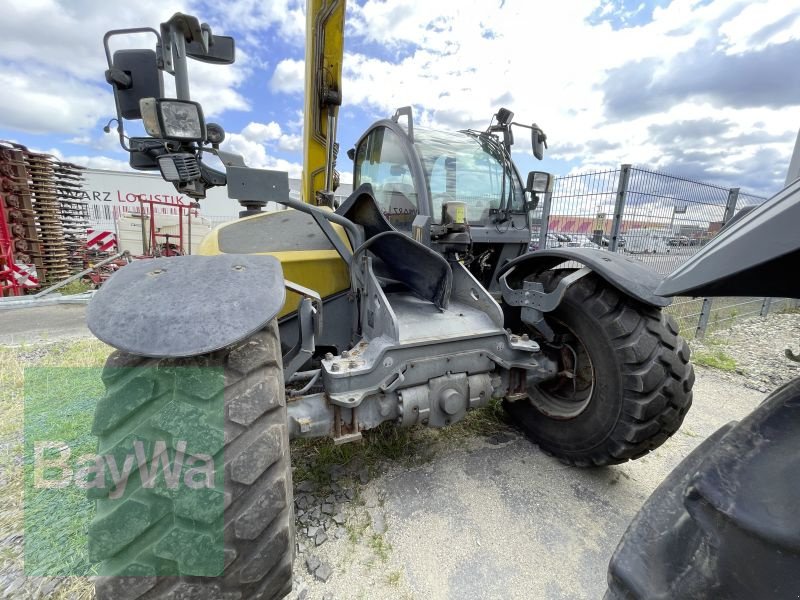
(323,271)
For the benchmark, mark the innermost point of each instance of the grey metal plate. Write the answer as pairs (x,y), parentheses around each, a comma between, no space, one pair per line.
(627,275)
(258,185)
(186,305)
(756,256)
(283,230)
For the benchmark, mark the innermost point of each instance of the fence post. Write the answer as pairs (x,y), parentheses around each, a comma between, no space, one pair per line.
(548,196)
(705,313)
(765,306)
(619,206)
(730,207)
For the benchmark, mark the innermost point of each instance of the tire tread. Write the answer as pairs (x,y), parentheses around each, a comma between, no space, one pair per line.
(252,531)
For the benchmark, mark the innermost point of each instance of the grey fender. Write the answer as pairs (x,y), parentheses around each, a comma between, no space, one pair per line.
(186,305)
(627,275)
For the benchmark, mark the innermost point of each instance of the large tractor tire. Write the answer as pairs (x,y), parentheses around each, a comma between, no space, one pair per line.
(139,559)
(625,381)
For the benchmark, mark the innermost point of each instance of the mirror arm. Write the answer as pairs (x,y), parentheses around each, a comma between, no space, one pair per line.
(118,78)
(114,32)
(542,134)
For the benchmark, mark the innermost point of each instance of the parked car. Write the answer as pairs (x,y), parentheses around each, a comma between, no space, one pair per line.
(680,240)
(570,241)
(606,241)
(552,241)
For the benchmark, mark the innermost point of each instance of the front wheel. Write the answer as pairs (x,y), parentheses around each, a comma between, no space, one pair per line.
(624,382)
(153,541)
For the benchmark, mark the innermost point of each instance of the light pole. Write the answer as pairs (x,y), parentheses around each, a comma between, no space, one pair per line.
(677,209)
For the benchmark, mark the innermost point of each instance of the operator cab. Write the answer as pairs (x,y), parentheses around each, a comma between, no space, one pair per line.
(458,192)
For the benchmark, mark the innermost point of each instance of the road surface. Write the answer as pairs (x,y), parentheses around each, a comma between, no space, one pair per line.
(42,324)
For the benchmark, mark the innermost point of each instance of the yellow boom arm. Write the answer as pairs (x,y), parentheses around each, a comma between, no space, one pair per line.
(324,52)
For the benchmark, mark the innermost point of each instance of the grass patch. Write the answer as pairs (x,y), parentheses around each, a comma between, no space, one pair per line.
(317,459)
(13,361)
(356,527)
(484,421)
(59,406)
(716,358)
(380,546)
(75,287)
(393,578)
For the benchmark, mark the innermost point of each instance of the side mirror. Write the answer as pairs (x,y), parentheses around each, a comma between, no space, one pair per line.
(134,75)
(221,50)
(538,182)
(538,141)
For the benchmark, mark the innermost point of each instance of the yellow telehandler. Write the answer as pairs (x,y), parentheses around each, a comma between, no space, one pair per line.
(413,302)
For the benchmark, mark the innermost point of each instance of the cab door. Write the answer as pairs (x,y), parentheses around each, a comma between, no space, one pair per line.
(386,159)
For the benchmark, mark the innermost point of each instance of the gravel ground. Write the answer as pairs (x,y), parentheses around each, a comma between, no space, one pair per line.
(487,515)
(758,347)
(493,517)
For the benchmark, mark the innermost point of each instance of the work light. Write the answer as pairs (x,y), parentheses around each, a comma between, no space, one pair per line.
(173,119)
(538,182)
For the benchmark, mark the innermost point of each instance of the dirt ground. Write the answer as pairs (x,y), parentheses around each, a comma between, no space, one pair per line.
(494,517)
(490,516)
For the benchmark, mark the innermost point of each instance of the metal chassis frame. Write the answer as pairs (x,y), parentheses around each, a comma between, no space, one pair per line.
(389,369)
(309,321)
(534,301)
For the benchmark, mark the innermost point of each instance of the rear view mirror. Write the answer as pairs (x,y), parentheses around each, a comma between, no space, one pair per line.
(221,50)
(134,75)
(538,141)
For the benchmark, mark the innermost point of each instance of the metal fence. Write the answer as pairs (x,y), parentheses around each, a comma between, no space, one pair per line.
(659,219)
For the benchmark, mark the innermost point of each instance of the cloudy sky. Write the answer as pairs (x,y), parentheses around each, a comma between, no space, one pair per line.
(705,89)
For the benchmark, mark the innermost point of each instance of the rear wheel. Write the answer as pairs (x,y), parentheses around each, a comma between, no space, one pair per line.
(147,539)
(624,383)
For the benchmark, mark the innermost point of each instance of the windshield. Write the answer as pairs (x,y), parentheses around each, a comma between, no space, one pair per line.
(459,167)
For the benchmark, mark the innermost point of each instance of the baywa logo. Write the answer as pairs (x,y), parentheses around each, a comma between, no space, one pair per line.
(89,470)
(117,457)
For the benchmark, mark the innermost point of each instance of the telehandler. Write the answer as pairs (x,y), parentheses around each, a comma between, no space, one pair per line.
(413,302)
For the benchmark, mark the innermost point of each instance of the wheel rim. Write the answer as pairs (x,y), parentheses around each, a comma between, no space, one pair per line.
(565,397)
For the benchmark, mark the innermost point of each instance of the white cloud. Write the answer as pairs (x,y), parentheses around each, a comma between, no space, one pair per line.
(252,144)
(260,132)
(754,18)
(271,132)
(35,103)
(90,162)
(290,143)
(53,63)
(288,77)
(456,66)
(454,61)
(216,87)
(99,162)
(346,177)
(286,16)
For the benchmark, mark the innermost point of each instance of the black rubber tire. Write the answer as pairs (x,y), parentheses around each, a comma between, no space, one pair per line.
(642,378)
(258,513)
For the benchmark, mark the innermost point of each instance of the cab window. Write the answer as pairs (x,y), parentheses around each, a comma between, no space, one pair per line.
(380,160)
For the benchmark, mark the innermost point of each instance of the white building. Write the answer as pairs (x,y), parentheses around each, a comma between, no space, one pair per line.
(110,194)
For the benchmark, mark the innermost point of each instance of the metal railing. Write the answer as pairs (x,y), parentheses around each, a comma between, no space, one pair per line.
(661,220)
